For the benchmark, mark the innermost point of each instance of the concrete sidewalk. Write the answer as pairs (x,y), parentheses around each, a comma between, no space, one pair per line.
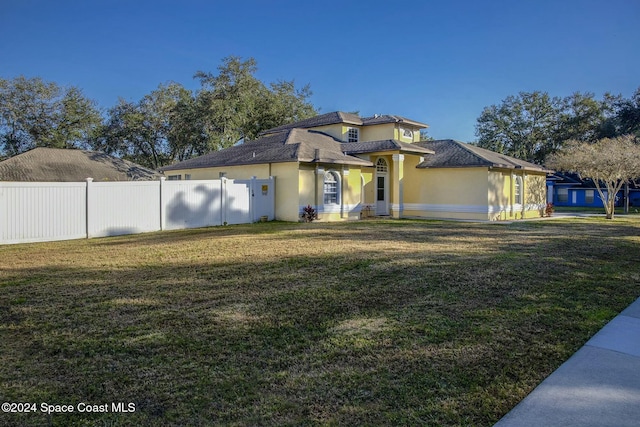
(598,386)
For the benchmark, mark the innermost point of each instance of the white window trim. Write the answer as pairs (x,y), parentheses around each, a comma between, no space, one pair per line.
(518,190)
(403,133)
(357,132)
(338,181)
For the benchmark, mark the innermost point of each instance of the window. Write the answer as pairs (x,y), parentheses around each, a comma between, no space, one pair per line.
(589,196)
(407,133)
(381,165)
(563,195)
(174,177)
(517,199)
(187,176)
(331,188)
(352,135)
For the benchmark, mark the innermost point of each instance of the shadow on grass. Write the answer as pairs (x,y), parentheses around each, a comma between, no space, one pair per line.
(402,324)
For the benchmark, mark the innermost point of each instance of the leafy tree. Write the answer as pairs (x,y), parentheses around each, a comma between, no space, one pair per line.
(152,132)
(236,105)
(608,162)
(35,113)
(531,126)
(424,135)
(523,126)
(582,117)
(628,115)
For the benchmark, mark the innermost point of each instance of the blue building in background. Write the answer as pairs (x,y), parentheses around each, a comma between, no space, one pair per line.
(569,190)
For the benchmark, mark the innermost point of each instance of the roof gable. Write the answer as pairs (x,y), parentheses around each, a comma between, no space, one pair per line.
(452,154)
(43,164)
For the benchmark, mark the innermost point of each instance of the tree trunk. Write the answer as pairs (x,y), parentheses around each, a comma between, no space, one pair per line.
(611,206)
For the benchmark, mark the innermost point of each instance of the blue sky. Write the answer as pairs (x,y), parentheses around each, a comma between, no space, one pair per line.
(439,62)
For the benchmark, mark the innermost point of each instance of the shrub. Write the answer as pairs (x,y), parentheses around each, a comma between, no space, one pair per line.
(548,211)
(309,214)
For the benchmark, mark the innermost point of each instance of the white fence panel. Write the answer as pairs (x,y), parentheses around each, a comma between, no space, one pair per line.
(117,208)
(46,211)
(191,204)
(42,211)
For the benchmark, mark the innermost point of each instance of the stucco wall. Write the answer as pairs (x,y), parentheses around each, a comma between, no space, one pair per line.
(459,193)
(377,132)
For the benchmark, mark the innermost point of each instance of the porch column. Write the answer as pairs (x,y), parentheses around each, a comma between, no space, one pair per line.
(397,186)
(344,192)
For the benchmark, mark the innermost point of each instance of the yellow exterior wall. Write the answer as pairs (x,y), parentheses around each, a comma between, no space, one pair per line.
(377,132)
(398,134)
(535,196)
(287,184)
(337,130)
(502,185)
(459,193)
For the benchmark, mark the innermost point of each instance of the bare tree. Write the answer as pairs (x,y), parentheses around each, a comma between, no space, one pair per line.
(610,163)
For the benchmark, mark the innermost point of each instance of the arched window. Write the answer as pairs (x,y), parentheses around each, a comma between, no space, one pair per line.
(331,188)
(381,165)
(518,191)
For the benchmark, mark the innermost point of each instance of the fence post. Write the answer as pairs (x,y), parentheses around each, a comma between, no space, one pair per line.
(223,201)
(87,206)
(252,199)
(272,187)
(162,219)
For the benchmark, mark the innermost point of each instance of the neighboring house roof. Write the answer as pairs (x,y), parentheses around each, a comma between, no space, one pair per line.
(291,145)
(452,154)
(341,117)
(564,178)
(574,181)
(69,165)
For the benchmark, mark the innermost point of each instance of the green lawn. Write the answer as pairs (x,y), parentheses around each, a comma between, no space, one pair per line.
(362,323)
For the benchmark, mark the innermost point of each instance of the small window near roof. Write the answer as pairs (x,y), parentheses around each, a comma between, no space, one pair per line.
(407,133)
(174,177)
(352,135)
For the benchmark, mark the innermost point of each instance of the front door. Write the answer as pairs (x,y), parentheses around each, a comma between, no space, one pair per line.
(382,187)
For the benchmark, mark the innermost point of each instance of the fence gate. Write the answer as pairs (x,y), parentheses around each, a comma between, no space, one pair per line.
(263,200)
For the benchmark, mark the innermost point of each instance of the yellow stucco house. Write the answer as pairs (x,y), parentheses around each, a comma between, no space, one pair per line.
(348,167)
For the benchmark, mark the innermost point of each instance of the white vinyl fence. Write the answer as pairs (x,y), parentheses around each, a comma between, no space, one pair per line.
(46,211)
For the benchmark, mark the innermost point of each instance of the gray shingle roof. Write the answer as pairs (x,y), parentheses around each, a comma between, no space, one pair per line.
(292,145)
(66,165)
(451,154)
(383,145)
(341,117)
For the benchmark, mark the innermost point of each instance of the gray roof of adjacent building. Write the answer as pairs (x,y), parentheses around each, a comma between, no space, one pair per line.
(451,154)
(44,164)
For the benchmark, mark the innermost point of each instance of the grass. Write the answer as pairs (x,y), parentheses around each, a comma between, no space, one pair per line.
(363,323)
